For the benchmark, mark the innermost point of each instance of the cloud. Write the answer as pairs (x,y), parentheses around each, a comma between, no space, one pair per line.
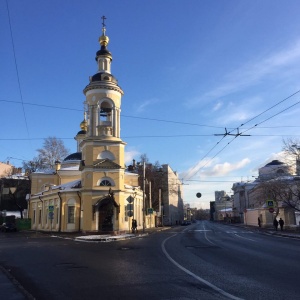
(217,106)
(210,167)
(142,107)
(225,168)
(130,155)
(191,172)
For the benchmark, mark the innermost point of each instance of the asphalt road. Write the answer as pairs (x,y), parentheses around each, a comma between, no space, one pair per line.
(201,261)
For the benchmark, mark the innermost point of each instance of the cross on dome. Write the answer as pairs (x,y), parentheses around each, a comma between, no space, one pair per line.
(103,24)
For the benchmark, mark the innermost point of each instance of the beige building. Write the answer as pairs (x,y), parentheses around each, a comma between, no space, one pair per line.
(250,203)
(172,197)
(90,191)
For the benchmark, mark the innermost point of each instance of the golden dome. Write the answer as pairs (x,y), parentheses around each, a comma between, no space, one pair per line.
(103,40)
(83,125)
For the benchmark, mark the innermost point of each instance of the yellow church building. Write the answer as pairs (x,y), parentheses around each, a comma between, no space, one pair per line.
(90,190)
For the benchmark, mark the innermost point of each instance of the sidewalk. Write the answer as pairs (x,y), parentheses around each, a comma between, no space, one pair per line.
(108,237)
(10,287)
(271,231)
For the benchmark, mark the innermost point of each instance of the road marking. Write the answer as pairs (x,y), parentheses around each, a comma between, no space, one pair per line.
(202,230)
(194,275)
(244,237)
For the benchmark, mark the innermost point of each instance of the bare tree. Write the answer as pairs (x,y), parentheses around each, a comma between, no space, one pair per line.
(291,148)
(53,150)
(284,192)
(33,165)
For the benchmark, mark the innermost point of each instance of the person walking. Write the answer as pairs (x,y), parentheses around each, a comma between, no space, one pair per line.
(275,223)
(281,223)
(134,226)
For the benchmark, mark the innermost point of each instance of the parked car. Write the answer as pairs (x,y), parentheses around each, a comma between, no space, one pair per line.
(185,223)
(8,227)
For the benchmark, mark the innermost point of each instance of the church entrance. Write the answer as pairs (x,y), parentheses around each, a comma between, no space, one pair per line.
(106,214)
(108,211)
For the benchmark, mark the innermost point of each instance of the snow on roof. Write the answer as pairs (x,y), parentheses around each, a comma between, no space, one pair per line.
(76,184)
(131,174)
(70,168)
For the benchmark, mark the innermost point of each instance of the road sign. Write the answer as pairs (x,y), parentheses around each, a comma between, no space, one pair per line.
(130,199)
(271,210)
(270,203)
(130,213)
(51,208)
(51,215)
(150,211)
(198,195)
(130,209)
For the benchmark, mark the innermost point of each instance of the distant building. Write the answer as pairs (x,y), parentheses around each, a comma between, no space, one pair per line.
(249,204)
(172,197)
(6,169)
(222,207)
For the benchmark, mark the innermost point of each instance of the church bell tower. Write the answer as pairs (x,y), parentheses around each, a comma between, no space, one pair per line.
(103,165)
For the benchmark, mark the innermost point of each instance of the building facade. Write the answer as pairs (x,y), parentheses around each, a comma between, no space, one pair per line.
(172,197)
(250,201)
(90,190)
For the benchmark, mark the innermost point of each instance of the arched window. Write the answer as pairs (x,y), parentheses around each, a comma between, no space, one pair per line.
(105,112)
(71,211)
(105,183)
(106,155)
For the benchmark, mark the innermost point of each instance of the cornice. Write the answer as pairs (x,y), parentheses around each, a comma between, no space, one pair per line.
(94,86)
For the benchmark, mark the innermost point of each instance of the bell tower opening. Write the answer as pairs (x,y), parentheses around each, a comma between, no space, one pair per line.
(105,127)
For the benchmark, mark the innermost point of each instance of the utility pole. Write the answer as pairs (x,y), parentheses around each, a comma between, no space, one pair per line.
(144,202)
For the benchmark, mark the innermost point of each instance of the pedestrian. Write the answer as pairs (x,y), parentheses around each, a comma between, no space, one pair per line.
(281,223)
(275,223)
(134,226)
(259,222)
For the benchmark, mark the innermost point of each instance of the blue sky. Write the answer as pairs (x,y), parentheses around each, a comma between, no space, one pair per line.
(188,68)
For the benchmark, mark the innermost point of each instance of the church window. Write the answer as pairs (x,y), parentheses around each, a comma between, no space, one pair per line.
(106,155)
(105,183)
(57,215)
(40,216)
(71,211)
(71,214)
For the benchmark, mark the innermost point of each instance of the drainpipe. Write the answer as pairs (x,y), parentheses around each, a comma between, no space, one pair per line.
(60,211)
(42,212)
(79,223)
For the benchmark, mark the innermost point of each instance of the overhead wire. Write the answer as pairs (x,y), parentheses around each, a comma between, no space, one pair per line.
(151,119)
(17,71)
(239,134)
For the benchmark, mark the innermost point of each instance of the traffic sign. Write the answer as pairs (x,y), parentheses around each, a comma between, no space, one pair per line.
(130,199)
(150,211)
(51,208)
(51,215)
(270,203)
(130,213)
(198,195)
(271,210)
